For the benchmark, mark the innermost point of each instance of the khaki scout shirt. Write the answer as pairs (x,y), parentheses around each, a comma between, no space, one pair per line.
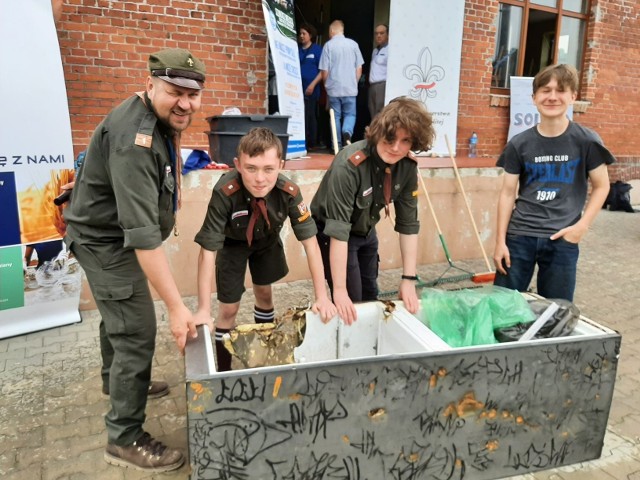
(350,196)
(125,186)
(229,212)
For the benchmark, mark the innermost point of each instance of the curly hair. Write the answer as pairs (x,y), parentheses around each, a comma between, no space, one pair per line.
(406,113)
(258,141)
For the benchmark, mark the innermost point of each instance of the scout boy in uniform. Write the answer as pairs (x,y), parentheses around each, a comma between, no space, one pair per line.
(247,210)
(363,179)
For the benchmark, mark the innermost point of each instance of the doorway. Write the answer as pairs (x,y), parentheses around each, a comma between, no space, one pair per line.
(359,19)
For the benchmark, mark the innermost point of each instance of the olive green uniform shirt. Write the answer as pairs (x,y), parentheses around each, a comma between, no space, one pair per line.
(350,196)
(229,212)
(125,188)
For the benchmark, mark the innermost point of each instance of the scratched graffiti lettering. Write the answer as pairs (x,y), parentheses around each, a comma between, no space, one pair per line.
(546,455)
(435,422)
(241,390)
(230,438)
(453,415)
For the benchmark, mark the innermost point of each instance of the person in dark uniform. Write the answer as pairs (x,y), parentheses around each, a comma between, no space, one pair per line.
(364,178)
(247,210)
(123,206)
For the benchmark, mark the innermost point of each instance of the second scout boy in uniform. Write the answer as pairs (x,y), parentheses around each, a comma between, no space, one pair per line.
(245,215)
(364,178)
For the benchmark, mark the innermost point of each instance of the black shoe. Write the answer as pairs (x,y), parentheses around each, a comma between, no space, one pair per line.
(156,389)
(145,454)
(346,139)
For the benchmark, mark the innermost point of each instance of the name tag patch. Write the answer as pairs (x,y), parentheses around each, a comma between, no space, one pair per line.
(239,213)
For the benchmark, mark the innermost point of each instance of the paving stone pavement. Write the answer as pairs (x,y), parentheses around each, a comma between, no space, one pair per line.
(51,407)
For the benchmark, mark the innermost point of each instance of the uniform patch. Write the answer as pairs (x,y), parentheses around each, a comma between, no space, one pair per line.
(415,193)
(289,187)
(357,158)
(239,213)
(143,140)
(304,217)
(367,192)
(302,208)
(230,188)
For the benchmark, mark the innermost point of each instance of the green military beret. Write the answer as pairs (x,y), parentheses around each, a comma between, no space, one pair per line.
(177,66)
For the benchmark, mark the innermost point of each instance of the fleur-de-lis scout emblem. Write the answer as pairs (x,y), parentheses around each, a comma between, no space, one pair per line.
(190,61)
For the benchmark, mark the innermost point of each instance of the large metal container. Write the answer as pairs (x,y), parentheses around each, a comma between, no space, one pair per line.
(387,399)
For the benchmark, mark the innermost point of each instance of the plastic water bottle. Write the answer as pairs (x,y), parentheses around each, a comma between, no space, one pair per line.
(473,145)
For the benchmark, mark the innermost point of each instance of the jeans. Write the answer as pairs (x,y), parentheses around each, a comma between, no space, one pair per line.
(344,109)
(557,261)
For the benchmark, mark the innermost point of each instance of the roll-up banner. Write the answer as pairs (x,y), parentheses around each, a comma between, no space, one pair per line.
(39,282)
(425,45)
(281,30)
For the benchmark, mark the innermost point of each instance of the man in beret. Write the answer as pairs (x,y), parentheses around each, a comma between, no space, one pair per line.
(123,206)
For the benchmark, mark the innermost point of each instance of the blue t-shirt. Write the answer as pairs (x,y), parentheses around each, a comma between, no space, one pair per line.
(309,63)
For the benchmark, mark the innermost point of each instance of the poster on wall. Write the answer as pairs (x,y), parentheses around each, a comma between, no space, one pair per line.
(524,113)
(281,30)
(39,281)
(425,48)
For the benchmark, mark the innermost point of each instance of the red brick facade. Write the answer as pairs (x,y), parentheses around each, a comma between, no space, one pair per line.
(105,45)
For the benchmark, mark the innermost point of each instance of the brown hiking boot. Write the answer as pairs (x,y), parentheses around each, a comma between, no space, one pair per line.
(156,389)
(145,454)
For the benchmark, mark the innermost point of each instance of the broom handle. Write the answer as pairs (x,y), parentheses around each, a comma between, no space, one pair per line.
(435,219)
(334,134)
(466,202)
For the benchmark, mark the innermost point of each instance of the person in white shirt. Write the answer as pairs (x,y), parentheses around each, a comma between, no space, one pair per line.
(378,71)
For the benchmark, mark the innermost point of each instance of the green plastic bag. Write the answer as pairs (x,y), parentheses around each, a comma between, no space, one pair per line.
(467,317)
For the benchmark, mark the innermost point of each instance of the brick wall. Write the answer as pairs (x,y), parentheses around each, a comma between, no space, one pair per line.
(105,46)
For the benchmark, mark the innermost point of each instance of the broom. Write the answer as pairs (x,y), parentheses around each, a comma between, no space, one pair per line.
(478,277)
(442,278)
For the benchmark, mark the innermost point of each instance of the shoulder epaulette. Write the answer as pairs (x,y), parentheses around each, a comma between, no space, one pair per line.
(289,187)
(231,187)
(412,156)
(358,157)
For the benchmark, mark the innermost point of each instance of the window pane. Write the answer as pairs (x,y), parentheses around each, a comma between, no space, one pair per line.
(546,3)
(540,43)
(579,6)
(571,41)
(505,60)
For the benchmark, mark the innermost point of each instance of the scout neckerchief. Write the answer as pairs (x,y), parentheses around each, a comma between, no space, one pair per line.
(386,189)
(258,207)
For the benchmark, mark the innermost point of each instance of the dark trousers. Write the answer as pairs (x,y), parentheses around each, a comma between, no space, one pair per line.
(362,265)
(311,121)
(127,333)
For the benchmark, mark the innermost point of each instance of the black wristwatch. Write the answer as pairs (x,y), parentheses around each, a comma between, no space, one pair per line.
(410,277)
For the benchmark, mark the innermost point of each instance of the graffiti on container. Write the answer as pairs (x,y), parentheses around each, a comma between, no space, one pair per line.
(427,461)
(449,416)
(321,413)
(241,390)
(316,467)
(535,456)
(368,445)
(229,439)
(434,422)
